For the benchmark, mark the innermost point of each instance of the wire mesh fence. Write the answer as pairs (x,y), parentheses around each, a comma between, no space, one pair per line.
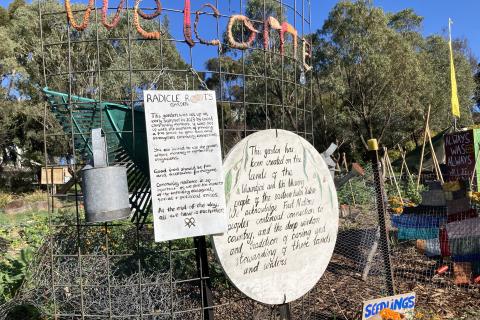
(95,78)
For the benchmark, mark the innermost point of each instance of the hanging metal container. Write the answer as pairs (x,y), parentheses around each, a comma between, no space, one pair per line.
(105,188)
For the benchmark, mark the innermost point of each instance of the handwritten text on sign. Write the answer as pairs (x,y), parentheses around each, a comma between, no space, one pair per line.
(283,217)
(460,154)
(185,164)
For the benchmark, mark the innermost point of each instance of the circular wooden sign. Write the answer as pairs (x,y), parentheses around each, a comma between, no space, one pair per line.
(283,217)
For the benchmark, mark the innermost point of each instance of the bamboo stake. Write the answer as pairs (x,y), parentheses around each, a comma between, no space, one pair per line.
(404,163)
(427,120)
(390,168)
(434,158)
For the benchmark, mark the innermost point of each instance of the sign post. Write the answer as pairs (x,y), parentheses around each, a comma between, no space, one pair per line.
(382,212)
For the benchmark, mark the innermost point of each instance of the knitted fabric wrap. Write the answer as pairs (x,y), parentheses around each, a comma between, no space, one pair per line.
(464,228)
(140,30)
(418,221)
(116,17)
(432,247)
(417,233)
(444,248)
(474,258)
(86,15)
(458,205)
(472,213)
(464,246)
(421,209)
(476,267)
(187,24)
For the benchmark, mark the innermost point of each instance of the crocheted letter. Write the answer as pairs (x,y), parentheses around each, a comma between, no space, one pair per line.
(246,22)
(270,23)
(216,14)
(306,53)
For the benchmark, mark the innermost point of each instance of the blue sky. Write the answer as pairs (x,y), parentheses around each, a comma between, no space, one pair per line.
(464,13)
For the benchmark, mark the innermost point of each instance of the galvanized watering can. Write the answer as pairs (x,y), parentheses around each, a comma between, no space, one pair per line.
(105,188)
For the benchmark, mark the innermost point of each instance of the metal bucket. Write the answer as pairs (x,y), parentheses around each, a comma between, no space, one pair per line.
(105,189)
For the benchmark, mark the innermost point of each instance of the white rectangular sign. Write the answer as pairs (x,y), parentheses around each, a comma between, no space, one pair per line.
(185,162)
(390,307)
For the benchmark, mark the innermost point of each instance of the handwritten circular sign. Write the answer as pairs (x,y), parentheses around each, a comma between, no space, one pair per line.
(283,217)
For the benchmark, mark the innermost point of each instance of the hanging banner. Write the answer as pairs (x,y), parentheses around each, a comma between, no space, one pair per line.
(283,217)
(185,163)
(401,306)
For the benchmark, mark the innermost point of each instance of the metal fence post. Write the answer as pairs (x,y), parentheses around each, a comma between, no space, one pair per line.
(204,275)
(381,211)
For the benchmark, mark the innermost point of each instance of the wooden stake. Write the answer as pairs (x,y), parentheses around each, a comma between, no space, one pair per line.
(390,169)
(404,163)
(427,120)
(436,164)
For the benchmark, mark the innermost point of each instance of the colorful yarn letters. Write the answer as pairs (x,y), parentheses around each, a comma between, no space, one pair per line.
(269,24)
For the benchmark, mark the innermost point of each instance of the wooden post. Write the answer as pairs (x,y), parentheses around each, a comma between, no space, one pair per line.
(284,312)
(382,212)
(204,276)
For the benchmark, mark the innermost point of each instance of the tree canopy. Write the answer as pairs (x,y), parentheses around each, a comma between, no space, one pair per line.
(374,75)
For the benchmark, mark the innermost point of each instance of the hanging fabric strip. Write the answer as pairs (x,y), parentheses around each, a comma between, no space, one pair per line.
(464,246)
(444,248)
(418,221)
(417,233)
(116,17)
(86,15)
(140,30)
(472,213)
(464,228)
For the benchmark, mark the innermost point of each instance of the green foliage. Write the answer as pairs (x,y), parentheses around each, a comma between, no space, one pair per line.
(408,189)
(375,75)
(5,198)
(20,235)
(359,189)
(12,272)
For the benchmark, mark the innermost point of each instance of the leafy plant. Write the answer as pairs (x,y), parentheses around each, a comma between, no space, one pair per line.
(5,198)
(12,272)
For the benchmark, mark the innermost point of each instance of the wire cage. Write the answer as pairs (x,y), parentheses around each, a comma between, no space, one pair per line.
(95,78)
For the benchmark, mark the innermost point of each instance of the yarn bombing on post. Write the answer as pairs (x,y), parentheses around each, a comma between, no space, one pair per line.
(269,24)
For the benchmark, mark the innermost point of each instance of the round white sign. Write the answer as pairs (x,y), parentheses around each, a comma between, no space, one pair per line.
(283,217)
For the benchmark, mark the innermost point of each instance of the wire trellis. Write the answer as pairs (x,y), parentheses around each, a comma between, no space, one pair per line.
(116,270)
